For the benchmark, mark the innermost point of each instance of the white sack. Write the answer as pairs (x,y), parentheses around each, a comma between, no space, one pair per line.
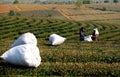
(26,38)
(26,55)
(88,38)
(56,39)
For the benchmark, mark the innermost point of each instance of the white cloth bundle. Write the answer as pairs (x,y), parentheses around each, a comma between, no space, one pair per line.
(26,55)
(56,39)
(88,38)
(26,38)
(23,51)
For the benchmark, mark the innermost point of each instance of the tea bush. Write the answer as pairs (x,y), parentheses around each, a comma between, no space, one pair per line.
(72,58)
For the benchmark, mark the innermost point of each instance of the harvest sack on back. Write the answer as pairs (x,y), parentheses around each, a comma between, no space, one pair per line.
(26,55)
(26,38)
(88,38)
(56,39)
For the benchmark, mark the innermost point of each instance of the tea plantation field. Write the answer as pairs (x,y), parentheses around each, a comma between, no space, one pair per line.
(73,57)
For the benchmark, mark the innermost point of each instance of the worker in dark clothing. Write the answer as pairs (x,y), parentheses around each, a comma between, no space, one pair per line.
(82,33)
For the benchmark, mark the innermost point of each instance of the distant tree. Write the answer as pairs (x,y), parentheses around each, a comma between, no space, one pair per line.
(11,13)
(36,1)
(90,1)
(87,1)
(106,1)
(79,3)
(115,1)
(15,2)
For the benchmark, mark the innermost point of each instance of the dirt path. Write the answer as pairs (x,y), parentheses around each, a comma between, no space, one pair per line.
(19,9)
(59,10)
(65,15)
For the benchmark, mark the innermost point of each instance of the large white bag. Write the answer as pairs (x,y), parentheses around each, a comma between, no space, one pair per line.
(88,38)
(26,38)
(26,55)
(56,39)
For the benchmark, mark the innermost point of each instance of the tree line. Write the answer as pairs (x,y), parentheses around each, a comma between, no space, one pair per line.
(69,1)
